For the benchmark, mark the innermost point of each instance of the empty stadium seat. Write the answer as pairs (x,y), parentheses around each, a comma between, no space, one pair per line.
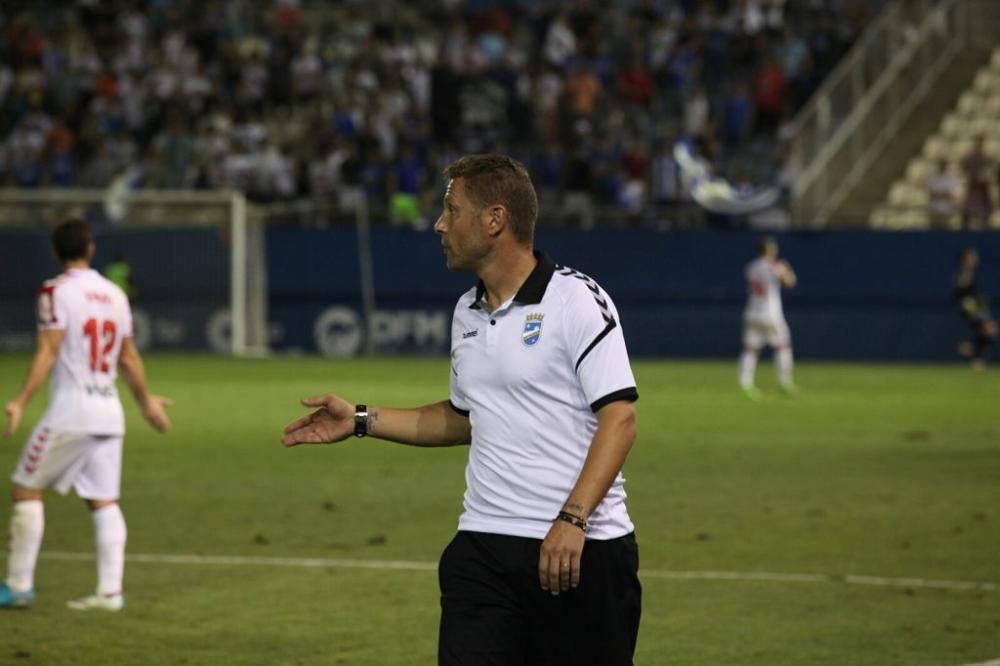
(986,82)
(917,171)
(951,125)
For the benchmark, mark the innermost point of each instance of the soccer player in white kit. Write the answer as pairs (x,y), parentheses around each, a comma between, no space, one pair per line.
(84,336)
(764,318)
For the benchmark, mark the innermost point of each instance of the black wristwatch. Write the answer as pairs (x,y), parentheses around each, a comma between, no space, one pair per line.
(360,420)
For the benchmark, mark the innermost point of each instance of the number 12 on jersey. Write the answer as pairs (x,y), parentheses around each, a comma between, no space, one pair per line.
(99,332)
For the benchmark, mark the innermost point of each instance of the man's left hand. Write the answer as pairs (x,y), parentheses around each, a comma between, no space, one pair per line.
(559,560)
(14,411)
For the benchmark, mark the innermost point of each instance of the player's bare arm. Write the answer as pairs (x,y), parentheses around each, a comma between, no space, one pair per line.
(436,424)
(563,545)
(786,274)
(134,372)
(46,353)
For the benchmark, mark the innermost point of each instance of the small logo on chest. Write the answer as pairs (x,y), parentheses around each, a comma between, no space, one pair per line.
(470,334)
(532,329)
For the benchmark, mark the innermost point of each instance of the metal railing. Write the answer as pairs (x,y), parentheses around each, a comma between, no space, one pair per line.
(864,102)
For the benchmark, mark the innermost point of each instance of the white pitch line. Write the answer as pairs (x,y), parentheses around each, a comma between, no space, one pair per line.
(242,560)
(923,582)
(992,662)
(738,575)
(406,565)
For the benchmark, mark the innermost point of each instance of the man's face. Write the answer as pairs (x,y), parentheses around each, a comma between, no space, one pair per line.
(462,227)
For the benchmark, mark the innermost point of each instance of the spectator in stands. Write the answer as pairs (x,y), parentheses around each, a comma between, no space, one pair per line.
(634,191)
(635,84)
(737,115)
(769,90)
(942,194)
(560,41)
(582,94)
(406,181)
(82,103)
(351,178)
(696,112)
(578,203)
(665,189)
(978,205)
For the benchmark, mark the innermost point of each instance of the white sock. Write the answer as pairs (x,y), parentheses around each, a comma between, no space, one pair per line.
(27,525)
(748,366)
(110,534)
(783,363)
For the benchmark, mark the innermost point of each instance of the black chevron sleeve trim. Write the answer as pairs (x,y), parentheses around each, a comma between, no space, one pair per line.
(463,412)
(595,290)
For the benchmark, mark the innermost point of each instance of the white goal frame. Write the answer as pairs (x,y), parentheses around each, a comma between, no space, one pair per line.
(28,208)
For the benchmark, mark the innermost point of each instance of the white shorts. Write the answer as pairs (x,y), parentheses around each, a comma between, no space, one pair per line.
(90,464)
(758,332)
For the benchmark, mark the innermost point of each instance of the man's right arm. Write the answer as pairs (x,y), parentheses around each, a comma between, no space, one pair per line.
(46,353)
(436,424)
(786,274)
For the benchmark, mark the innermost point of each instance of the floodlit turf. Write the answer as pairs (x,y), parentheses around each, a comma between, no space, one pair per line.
(888,471)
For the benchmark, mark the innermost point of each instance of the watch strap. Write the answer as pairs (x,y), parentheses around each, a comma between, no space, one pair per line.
(361,420)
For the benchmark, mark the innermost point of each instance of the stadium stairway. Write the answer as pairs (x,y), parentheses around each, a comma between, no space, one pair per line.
(868,195)
(965,104)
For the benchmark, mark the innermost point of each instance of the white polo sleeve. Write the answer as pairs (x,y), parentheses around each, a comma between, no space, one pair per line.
(51,309)
(456,396)
(597,346)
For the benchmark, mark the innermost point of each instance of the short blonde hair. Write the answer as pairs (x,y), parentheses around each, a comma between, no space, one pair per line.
(498,179)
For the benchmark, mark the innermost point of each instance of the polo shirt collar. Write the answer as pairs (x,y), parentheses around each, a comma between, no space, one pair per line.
(532,290)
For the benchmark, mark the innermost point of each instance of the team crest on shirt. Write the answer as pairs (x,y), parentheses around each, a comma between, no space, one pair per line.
(532,329)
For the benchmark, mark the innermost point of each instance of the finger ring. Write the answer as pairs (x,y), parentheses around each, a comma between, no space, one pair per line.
(564,565)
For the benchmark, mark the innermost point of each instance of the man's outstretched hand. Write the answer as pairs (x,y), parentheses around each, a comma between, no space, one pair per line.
(333,421)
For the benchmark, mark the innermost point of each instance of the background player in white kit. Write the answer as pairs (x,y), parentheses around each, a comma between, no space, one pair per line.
(764,318)
(84,335)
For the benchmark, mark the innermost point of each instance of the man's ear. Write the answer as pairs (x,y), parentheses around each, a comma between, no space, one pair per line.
(498,220)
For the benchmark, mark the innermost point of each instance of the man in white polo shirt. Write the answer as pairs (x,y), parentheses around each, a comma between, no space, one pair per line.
(84,338)
(544,567)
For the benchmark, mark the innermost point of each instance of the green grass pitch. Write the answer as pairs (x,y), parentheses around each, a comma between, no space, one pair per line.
(888,471)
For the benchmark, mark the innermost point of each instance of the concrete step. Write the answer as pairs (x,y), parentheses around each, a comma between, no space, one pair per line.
(873,189)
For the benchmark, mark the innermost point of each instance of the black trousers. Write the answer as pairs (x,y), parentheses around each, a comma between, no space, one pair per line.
(494,611)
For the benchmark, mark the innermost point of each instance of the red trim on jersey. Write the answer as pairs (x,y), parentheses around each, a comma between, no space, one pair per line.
(48,291)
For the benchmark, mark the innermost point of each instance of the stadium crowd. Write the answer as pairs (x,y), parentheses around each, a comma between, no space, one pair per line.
(336,102)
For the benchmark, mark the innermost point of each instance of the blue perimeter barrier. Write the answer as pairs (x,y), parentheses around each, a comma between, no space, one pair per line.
(861,295)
